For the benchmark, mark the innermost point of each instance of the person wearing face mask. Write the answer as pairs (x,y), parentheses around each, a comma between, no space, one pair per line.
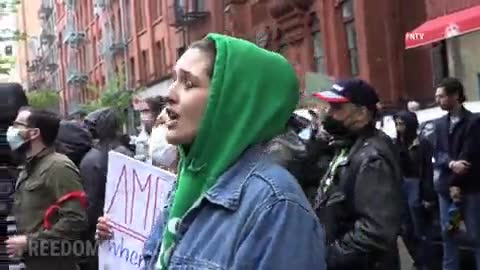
(163,154)
(232,207)
(148,116)
(359,199)
(49,201)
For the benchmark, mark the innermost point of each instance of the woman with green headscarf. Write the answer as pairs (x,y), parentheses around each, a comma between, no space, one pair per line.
(233,207)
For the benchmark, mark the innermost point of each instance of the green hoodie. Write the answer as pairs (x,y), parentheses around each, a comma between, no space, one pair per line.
(253,93)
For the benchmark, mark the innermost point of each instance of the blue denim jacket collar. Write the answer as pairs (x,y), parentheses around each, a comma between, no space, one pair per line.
(228,189)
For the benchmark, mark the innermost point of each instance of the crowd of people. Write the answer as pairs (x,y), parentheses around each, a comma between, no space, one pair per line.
(250,192)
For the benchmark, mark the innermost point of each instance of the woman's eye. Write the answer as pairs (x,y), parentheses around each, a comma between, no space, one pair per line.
(188,84)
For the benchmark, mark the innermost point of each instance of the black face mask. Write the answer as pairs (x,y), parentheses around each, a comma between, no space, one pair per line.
(334,127)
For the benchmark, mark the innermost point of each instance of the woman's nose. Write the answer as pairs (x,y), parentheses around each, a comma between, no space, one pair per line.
(172,96)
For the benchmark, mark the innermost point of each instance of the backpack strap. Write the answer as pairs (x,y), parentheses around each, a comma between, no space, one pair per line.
(74,195)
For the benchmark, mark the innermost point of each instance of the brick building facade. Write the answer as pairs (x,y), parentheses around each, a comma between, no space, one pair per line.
(99,39)
(334,38)
(330,39)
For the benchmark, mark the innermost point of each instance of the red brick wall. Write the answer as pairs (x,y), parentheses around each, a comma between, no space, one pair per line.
(397,74)
(436,8)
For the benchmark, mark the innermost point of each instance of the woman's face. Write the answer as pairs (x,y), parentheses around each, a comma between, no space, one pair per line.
(188,96)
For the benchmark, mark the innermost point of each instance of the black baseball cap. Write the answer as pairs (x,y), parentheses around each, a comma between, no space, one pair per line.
(355,91)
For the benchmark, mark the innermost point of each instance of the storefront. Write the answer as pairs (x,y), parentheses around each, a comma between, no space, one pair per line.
(459,34)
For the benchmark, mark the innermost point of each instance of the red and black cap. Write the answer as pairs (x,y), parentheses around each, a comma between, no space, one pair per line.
(355,91)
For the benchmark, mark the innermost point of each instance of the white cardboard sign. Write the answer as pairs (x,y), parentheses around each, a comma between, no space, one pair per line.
(135,195)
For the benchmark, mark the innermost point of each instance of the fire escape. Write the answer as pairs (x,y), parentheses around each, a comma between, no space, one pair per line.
(8,7)
(113,43)
(74,38)
(182,16)
(43,69)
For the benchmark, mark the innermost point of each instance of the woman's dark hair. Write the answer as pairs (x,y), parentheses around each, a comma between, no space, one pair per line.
(453,86)
(207,46)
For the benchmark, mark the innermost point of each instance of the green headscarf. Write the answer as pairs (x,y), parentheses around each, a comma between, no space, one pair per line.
(253,92)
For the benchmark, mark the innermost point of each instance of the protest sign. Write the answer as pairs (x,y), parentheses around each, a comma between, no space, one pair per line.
(135,195)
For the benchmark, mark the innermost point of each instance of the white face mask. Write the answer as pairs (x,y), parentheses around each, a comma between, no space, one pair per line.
(14,139)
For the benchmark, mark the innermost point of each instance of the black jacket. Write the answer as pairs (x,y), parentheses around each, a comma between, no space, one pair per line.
(460,142)
(416,156)
(94,166)
(307,161)
(361,209)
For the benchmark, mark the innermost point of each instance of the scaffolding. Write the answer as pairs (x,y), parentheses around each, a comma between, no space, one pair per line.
(113,44)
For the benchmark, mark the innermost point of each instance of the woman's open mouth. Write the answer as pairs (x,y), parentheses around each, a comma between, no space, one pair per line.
(172,119)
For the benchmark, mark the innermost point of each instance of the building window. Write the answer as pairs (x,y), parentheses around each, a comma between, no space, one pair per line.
(141,14)
(199,5)
(318,52)
(127,18)
(89,56)
(159,59)
(132,73)
(145,66)
(102,82)
(113,32)
(349,22)
(94,49)
(8,50)
(156,7)
(90,10)
(120,26)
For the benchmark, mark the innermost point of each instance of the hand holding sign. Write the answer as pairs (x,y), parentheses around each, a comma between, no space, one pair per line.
(136,194)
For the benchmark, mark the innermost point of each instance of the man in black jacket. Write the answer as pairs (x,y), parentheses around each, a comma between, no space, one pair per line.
(457,158)
(359,199)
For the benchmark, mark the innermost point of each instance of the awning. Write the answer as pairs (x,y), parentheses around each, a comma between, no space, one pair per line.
(451,25)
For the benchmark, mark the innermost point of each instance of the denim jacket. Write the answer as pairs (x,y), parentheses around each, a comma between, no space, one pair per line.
(255,217)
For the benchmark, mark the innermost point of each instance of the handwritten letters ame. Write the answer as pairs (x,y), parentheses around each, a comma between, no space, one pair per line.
(136,194)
